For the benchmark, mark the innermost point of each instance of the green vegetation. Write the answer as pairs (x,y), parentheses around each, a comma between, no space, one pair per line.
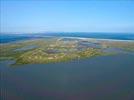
(129,45)
(53,50)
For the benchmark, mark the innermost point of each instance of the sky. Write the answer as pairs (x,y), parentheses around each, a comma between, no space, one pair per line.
(66,16)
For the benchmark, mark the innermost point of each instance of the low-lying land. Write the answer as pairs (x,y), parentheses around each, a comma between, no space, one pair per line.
(58,49)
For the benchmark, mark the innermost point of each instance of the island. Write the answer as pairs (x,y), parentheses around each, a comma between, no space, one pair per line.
(60,49)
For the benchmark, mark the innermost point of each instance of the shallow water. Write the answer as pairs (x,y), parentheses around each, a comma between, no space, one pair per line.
(84,45)
(117,50)
(97,78)
(25,48)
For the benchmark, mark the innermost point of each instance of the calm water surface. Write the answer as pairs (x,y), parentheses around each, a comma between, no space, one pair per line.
(98,78)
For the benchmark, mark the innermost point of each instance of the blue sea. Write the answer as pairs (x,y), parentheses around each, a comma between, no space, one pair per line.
(5,38)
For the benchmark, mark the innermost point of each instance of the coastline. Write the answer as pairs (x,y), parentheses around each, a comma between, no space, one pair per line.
(99,39)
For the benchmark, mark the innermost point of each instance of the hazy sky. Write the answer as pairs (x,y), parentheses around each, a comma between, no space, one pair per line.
(67,16)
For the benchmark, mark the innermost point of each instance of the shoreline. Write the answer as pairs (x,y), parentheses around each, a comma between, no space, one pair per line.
(97,39)
(62,37)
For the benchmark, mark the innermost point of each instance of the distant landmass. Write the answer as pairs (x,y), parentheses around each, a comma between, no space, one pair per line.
(5,38)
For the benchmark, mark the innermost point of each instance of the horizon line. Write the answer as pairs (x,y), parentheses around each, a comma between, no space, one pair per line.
(64,32)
